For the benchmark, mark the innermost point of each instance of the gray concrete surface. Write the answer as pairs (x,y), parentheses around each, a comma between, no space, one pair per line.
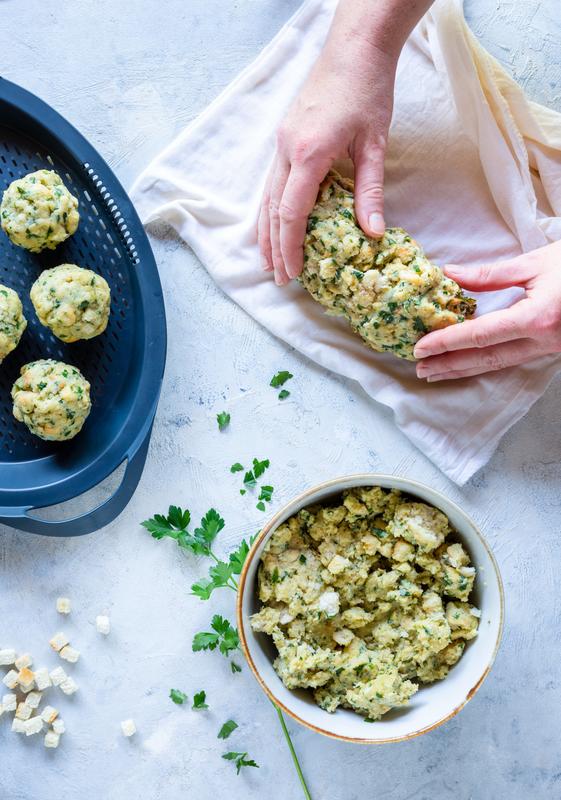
(130,75)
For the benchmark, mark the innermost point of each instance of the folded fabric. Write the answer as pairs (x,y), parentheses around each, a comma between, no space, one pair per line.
(473,172)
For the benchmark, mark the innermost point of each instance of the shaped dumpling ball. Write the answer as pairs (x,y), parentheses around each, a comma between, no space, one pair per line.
(12,321)
(52,399)
(38,212)
(73,302)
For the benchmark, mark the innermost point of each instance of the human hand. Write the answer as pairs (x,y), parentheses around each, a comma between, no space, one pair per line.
(344,110)
(527,330)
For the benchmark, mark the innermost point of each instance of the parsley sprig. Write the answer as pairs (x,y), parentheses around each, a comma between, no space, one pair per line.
(222,635)
(176,526)
(241,760)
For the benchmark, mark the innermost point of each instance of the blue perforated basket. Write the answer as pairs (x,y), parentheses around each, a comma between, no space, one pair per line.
(124,365)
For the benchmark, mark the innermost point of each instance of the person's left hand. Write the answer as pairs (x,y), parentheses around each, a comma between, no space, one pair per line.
(527,330)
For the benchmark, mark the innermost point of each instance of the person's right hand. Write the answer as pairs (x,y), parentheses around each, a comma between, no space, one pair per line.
(343,110)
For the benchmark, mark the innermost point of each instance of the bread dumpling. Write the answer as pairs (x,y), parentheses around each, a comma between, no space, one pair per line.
(12,321)
(387,289)
(38,212)
(52,399)
(73,302)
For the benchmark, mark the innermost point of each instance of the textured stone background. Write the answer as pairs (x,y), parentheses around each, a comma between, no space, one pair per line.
(130,75)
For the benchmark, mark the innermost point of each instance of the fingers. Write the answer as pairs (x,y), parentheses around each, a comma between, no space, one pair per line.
(369,189)
(278,182)
(465,363)
(483,332)
(264,226)
(488,277)
(299,198)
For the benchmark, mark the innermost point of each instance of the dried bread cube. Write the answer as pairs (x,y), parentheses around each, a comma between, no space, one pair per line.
(63,605)
(18,725)
(103,624)
(128,727)
(7,657)
(26,679)
(51,739)
(33,699)
(23,711)
(22,661)
(59,641)
(58,675)
(33,726)
(70,654)
(69,686)
(42,679)
(58,726)
(10,679)
(9,702)
(49,714)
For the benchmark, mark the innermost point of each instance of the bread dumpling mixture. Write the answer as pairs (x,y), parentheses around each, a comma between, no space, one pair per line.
(38,212)
(365,600)
(73,302)
(12,321)
(387,289)
(52,398)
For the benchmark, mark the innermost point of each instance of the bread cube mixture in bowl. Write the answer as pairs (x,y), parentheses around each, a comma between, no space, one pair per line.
(366,600)
(38,212)
(370,608)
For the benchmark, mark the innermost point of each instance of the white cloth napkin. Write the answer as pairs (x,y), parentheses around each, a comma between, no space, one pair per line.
(473,172)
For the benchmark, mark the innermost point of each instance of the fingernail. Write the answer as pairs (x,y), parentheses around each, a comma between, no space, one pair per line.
(420,352)
(434,378)
(265,264)
(376,224)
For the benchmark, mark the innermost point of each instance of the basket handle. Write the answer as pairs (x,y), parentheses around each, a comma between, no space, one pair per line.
(91,521)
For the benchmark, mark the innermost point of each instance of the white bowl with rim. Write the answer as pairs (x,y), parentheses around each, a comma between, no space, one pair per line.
(431,705)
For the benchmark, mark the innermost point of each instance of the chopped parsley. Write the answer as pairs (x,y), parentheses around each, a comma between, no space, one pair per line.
(178,696)
(223,420)
(227,729)
(280,378)
(199,701)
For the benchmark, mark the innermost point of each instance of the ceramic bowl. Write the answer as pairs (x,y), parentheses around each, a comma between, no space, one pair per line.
(431,705)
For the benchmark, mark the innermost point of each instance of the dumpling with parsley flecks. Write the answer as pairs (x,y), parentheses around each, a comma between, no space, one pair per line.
(386,288)
(52,399)
(38,212)
(73,302)
(12,321)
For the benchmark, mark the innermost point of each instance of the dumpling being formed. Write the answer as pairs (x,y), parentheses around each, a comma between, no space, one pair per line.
(52,399)
(12,321)
(73,302)
(390,293)
(38,212)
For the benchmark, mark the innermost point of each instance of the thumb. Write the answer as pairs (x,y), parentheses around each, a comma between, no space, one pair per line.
(369,189)
(488,277)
